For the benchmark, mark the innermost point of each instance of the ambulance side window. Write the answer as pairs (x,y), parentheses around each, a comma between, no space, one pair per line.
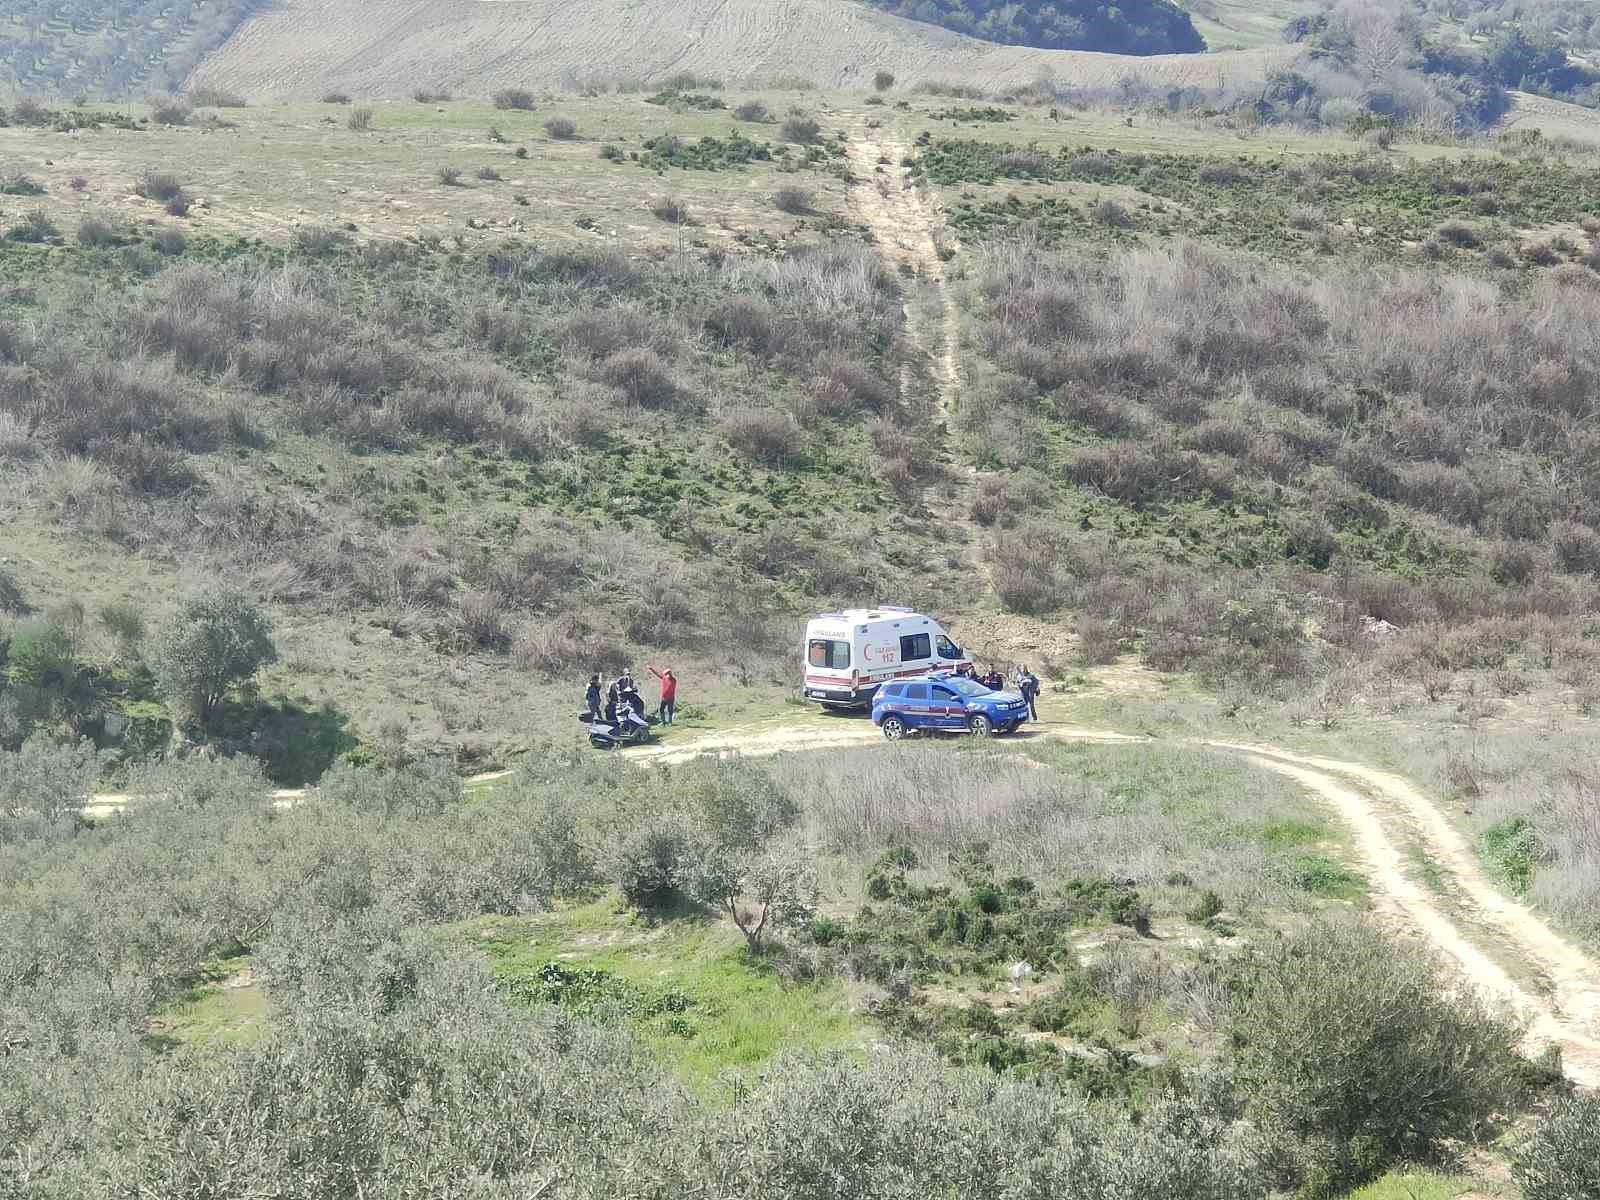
(947,648)
(914,647)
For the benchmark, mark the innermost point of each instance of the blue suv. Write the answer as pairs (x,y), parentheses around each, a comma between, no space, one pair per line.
(945,702)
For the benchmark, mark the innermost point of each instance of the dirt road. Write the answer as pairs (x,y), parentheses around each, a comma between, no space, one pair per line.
(1533,968)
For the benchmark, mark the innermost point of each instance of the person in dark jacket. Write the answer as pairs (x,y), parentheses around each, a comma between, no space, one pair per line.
(1028,685)
(592,696)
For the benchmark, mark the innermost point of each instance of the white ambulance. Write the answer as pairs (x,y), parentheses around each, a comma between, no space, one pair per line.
(849,654)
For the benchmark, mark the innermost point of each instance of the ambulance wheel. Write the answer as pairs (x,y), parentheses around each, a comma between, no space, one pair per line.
(980,725)
(894,728)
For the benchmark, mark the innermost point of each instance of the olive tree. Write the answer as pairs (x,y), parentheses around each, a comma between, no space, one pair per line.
(771,888)
(218,639)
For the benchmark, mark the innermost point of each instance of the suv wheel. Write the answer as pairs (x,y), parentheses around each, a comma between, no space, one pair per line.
(894,728)
(980,725)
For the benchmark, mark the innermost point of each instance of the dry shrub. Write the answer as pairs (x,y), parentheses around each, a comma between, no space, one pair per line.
(1140,473)
(514,98)
(642,376)
(498,328)
(764,434)
(561,129)
(672,210)
(801,127)
(480,622)
(361,119)
(843,385)
(1029,565)
(567,644)
(1576,547)
(1100,641)
(603,332)
(796,201)
(747,323)
(1004,500)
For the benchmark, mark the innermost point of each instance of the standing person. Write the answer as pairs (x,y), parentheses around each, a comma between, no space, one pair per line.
(613,699)
(1030,691)
(592,696)
(669,694)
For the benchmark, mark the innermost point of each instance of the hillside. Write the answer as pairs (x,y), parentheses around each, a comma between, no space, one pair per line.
(301,48)
(340,442)
(110,49)
(1139,27)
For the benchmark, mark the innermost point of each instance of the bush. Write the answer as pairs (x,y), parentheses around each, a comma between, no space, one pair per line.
(317,241)
(218,639)
(41,657)
(764,434)
(428,96)
(35,228)
(47,778)
(450,176)
(126,624)
(562,129)
(361,119)
(753,111)
(657,862)
(489,175)
(1359,1051)
(514,98)
(642,376)
(671,210)
(100,230)
(411,791)
(18,184)
(336,98)
(170,110)
(801,128)
(883,80)
(158,185)
(11,597)
(215,97)
(793,200)
(1562,1160)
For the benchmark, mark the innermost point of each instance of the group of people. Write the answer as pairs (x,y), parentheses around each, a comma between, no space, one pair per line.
(604,704)
(1022,680)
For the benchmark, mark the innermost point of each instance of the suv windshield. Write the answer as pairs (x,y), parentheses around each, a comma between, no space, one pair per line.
(965,687)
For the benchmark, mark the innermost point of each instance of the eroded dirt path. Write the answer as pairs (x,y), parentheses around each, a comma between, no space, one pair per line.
(903,224)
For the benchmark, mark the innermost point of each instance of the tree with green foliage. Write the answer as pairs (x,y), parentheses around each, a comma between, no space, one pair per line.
(46,777)
(762,890)
(218,640)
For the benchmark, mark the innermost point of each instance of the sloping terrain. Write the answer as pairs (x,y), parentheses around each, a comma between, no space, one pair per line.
(95,47)
(389,48)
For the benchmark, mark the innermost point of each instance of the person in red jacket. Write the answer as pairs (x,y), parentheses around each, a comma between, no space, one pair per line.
(669,694)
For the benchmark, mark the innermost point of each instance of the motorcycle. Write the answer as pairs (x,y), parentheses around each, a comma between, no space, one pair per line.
(631,727)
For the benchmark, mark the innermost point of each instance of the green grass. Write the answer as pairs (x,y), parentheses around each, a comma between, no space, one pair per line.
(1246,200)
(739,1012)
(1418,1185)
(222,1008)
